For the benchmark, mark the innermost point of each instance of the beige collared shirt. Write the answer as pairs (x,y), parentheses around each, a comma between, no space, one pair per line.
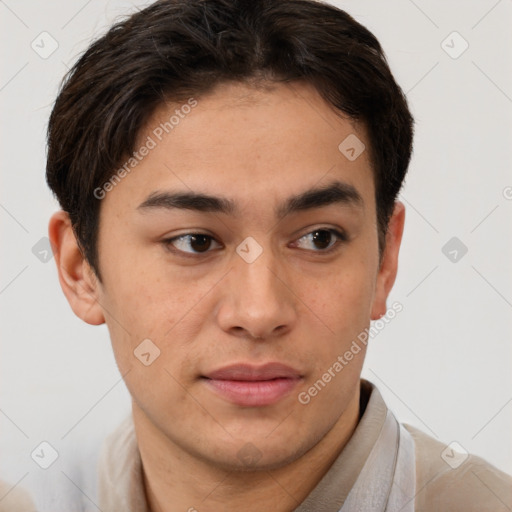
(474,485)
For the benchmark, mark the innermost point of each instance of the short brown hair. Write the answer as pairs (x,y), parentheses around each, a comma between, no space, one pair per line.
(175,49)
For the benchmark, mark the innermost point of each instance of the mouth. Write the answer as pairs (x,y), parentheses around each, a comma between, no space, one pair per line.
(253,386)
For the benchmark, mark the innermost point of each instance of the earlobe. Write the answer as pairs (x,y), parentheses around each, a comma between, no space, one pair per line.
(389,264)
(77,280)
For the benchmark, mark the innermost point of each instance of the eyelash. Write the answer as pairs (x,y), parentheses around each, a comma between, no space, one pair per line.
(340,235)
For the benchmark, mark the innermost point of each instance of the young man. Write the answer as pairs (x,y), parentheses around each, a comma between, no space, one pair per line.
(228,174)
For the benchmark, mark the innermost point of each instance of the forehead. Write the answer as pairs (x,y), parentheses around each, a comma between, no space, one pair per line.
(249,143)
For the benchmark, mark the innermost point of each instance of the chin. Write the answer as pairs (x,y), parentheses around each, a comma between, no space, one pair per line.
(261,454)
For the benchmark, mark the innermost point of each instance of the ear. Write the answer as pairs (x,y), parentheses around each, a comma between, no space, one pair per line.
(77,280)
(389,263)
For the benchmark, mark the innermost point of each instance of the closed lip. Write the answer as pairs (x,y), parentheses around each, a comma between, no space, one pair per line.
(247,385)
(253,373)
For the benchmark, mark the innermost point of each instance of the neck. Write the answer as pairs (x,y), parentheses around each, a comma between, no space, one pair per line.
(174,480)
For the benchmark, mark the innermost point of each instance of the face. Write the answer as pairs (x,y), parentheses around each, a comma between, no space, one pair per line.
(252,292)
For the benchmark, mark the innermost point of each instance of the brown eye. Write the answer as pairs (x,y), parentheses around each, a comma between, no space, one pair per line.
(200,243)
(191,244)
(321,240)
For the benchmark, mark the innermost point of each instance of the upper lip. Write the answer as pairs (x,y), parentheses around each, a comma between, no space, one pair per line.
(249,372)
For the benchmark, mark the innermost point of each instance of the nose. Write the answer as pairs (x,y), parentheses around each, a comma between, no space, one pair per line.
(257,301)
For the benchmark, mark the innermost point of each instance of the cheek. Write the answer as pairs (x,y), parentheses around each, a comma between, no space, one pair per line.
(343,298)
(150,328)
(147,304)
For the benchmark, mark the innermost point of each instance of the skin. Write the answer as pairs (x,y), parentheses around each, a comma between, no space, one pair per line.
(294,304)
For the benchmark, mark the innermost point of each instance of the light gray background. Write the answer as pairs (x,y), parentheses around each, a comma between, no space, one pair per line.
(443,364)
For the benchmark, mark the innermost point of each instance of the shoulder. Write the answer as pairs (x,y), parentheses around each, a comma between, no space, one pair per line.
(450,480)
(14,499)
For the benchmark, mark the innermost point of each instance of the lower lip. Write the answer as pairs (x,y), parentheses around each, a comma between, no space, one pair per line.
(253,393)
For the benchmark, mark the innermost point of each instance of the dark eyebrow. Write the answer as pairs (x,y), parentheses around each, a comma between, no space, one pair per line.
(188,201)
(336,192)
